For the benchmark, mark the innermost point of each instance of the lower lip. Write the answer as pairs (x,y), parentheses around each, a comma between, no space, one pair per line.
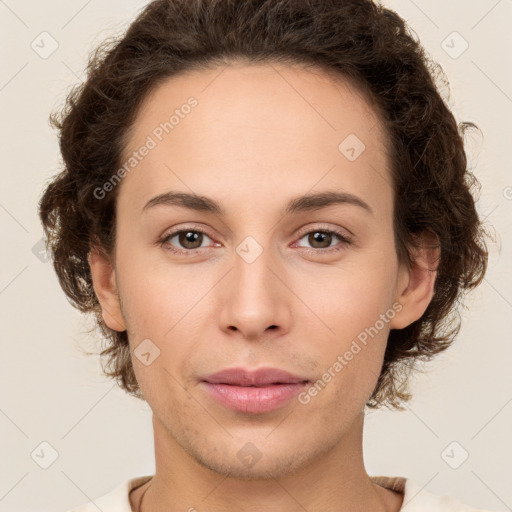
(252,399)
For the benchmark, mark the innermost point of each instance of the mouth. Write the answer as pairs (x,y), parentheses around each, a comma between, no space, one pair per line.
(255,392)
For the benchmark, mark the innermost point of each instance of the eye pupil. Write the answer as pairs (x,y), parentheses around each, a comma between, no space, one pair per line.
(322,237)
(191,239)
(186,237)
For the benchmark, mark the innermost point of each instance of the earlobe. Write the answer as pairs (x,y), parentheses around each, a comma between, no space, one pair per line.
(416,282)
(105,287)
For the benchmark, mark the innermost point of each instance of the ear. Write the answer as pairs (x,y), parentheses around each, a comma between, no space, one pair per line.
(416,282)
(104,282)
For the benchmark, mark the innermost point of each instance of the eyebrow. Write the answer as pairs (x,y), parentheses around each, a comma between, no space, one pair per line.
(308,202)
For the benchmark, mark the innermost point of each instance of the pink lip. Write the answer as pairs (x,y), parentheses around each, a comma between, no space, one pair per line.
(257,391)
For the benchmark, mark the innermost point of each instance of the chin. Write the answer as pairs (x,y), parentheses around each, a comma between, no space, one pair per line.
(272,467)
(253,457)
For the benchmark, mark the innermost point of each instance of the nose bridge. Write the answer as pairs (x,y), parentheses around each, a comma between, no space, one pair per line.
(254,299)
(252,264)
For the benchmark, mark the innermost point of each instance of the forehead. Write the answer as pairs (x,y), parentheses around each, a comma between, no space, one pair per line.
(256,128)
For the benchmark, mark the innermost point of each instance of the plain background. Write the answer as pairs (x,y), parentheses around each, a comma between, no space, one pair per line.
(53,393)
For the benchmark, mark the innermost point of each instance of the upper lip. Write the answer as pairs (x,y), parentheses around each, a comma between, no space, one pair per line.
(259,377)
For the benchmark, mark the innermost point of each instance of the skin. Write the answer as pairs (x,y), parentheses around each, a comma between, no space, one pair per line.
(259,136)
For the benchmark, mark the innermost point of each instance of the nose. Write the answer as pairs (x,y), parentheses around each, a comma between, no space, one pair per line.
(255,298)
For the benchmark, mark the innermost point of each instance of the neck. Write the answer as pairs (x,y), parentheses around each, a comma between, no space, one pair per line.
(333,481)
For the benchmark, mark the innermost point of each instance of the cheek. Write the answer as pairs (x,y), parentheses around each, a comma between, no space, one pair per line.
(354,306)
(342,301)
(164,303)
(348,368)
(157,295)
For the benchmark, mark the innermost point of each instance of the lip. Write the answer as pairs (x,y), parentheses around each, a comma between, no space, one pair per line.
(255,392)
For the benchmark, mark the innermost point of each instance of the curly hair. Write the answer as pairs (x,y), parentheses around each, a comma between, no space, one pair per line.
(357,40)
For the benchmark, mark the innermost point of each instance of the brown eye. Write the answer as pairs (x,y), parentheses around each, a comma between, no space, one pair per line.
(190,239)
(184,240)
(324,241)
(320,239)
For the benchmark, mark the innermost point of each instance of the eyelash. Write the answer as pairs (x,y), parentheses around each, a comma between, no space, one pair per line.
(345,240)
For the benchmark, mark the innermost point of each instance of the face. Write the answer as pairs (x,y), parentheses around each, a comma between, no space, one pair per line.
(253,278)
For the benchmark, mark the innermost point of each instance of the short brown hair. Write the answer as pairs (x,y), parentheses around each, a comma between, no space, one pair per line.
(355,39)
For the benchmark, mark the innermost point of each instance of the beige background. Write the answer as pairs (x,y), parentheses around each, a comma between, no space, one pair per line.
(52,393)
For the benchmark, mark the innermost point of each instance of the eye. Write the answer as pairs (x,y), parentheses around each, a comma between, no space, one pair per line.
(321,239)
(189,240)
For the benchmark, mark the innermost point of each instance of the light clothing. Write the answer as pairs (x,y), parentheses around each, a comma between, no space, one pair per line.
(415,499)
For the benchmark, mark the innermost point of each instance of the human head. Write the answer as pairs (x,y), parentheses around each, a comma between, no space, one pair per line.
(363,43)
